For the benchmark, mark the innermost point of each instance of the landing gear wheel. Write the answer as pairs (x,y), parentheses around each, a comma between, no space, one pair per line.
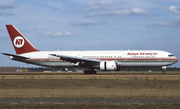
(94,72)
(85,72)
(163,72)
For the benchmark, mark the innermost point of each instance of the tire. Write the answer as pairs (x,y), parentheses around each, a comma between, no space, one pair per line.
(94,72)
(85,72)
(163,72)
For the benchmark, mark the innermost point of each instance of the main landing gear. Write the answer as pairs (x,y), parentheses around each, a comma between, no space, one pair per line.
(90,72)
(163,69)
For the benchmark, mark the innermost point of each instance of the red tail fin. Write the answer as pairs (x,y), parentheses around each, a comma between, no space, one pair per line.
(20,43)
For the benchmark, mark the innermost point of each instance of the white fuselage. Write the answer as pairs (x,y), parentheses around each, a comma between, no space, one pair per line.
(124,58)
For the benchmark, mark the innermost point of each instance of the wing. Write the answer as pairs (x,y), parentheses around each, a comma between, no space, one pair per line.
(77,59)
(15,56)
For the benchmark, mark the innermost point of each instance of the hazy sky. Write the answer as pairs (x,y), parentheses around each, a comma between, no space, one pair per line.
(92,25)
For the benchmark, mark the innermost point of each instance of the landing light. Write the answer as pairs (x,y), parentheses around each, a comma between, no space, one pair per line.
(11,57)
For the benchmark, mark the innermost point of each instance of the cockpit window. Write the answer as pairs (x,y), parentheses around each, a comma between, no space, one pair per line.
(170,55)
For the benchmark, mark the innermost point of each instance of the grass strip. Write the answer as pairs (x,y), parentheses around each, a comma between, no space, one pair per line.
(90,93)
(90,86)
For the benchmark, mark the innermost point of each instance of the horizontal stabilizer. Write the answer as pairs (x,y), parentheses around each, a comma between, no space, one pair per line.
(15,56)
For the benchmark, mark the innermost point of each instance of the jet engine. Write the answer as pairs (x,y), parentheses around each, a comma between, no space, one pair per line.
(108,65)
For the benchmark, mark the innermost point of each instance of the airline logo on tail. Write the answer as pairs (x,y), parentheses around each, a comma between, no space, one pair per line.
(18,42)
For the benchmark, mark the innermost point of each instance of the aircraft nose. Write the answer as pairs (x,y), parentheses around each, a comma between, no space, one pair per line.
(175,59)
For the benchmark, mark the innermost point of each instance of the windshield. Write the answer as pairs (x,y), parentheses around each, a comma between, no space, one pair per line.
(170,55)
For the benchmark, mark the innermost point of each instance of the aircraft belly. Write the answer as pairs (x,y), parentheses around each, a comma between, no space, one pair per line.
(144,64)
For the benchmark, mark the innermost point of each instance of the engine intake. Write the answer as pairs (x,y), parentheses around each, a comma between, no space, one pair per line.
(108,65)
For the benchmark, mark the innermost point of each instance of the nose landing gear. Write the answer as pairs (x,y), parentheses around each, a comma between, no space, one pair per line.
(163,69)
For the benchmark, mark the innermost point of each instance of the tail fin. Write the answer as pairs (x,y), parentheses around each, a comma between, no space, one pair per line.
(20,43)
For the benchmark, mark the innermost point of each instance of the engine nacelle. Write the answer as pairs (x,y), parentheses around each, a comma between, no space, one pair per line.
(108,65)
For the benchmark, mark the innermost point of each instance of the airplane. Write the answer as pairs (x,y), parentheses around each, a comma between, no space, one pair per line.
(103,60)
